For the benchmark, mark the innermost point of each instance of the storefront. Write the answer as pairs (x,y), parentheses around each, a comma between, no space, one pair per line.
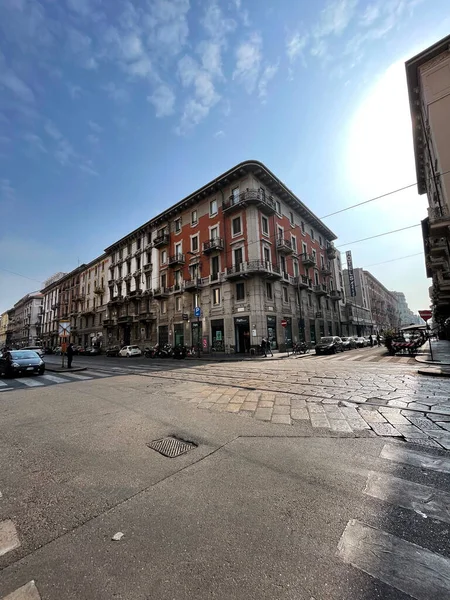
(217,335)
(178,334)
(312,330)
(196,333)
(288,332)
(301,330)
(242,334)
(272,331)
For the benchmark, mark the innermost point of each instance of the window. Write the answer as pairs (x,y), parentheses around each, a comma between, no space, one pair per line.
(163,280)
(320,240)
(314,256)
(89,288)
(263,193)
(269,291)
(237,227)
(177,278)
(214,233)
(235,195)
(178,249)
(138,263)
(285,294)
(240,292)
(309,300)
(148,282)
(177,225)
(196,300)
(216,296)
(193,270)
(304,248)
(194,217)
(278,206)
(316,278)
(215,268)
(213,208)
(163,257)
(129,249)
(164,307)
(302,225)
(291,218)
(178,303)
(295,265)
(265,225)
(238,257)
(312,234)
(194,243)
(266,251)
(128,267)
(327,304)
(138,243)
(149,257)
(280,233)
(283,265)
(294,243)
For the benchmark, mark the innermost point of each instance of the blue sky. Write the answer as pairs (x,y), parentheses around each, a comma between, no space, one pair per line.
(112,111)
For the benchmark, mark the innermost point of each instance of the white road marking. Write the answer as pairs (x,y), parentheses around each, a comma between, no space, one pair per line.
(29,381)
(9,539)
(76,376)
(54,378)
(415,458)
(96,374)
(28,591)
(6,389)
(407,567)
(2,383)
(422,499)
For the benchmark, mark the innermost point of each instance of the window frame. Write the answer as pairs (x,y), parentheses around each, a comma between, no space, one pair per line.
(194,212)
(216,295)
(233,220)
(269,286)
(285,294)
(265,221)
(197,239)
(211,204)
(238,284)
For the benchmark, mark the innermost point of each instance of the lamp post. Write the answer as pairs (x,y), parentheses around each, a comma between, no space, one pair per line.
(197,309)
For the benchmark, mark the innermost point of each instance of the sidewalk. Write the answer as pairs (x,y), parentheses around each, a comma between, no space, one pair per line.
(219,357)
(440,365)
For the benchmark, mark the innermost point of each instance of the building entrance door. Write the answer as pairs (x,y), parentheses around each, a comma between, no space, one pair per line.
(242,333)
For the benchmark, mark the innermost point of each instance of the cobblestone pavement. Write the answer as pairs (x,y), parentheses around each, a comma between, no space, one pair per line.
(342,397)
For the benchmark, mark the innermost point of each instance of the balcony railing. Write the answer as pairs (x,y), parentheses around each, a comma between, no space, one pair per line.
(214,244)
(161,292)
(125,319)
(161,240)
(147,267)
(331,252)
(99,290)
(302,281)
(320,289)
(192,285)
(319,314)
(335,294)
(265,203)
(308,260)
(254,267)
(176,259)
(325,270)
(284,246)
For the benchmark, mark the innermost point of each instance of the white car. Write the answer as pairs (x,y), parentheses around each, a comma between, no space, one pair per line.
(129,351)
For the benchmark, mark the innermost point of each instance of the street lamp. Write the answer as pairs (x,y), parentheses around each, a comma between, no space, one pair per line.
(196,255)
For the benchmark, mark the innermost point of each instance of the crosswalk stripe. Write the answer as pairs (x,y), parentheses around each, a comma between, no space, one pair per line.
(2,384)
(54,378)
(28,591)
(415,458)
(76,376)
(96,374)
(405,566)
(422,499)
(9,539)
(6,389)
(29,381)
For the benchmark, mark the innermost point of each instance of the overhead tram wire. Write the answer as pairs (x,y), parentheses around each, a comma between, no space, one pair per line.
(393,260)
(378,235)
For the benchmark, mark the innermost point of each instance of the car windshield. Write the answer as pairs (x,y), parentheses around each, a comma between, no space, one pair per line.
(134,347)
(344,339)
(23,354)
(327,340)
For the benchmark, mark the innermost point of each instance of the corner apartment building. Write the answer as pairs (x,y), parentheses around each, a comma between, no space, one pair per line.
(428,77)
(383,304)
(245,251)
(406,315)
(27,324)
(88,311)
(4,325)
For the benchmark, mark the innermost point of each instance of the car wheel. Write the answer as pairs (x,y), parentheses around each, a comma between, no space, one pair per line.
(42,371)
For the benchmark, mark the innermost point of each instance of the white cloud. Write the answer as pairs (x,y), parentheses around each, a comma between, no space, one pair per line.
(82,7)
(64,152)
(216,25)
(335,17)
(88,167)
(167,26)
(35,142)
(75,91)
(163,99)
(80,47)
(295,46)
(141,68)
(219,134)
(52,130)
(14,84)
(370,15)
(248,62)
(268,74)
(95,126)
(116,93)
(194,113)
(210,53)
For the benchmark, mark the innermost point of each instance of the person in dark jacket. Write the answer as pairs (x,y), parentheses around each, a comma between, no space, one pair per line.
(69,356)
(264,346)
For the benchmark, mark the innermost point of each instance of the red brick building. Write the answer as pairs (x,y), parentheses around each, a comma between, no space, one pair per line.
(245,250)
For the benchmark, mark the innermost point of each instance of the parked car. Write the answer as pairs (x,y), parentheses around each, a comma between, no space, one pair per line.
(361,342)
(92,351)
(348,343)
(36,349)
(21,362)
(48,350)
(57,350)
(129,351)
(112,351)
(329,345)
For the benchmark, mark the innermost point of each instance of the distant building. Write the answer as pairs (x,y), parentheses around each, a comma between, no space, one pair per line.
(428,77)
(4,325)
(407,317)
(357,318)
(89,314)
(26,330)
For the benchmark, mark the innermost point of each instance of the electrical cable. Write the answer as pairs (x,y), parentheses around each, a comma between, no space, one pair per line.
(378,235)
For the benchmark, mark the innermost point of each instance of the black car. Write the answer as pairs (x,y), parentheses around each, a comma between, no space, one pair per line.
(112,351)
(329,345)
(21,362)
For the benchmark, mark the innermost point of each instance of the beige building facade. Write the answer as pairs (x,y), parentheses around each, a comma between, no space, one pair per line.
(428,77)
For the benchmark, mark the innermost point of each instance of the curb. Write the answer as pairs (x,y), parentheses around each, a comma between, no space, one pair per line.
(434,372)
(65,370)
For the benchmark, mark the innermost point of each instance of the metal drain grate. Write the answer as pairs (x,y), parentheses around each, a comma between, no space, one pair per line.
(171,446)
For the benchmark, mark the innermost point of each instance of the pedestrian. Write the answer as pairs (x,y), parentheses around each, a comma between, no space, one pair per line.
(371,341)
(264,347)
(378,339)
(69,355)
(269,347)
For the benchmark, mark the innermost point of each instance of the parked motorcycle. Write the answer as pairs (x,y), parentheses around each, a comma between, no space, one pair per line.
(151,352)
(166,351)
(179,352)
(301,348)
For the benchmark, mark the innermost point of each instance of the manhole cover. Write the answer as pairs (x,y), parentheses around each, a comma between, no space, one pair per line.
(171,446)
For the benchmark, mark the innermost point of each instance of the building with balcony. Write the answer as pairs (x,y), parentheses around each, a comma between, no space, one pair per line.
(27,322)
(428,78)
(245,250)
(406,315)
(6,327)
(91,293)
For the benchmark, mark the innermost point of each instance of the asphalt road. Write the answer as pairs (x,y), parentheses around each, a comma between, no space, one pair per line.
(257,510)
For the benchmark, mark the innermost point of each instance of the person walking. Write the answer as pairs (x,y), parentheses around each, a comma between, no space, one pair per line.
(264,347)
(371,341)
(378,339)
(69,356)
(268,347)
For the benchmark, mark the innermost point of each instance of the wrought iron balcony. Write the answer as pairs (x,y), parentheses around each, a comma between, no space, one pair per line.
(319,314)
(124,319)
(308,260)
(254,267)
(161,240)
(335,294)
(303,282)
(147,267)
(325,270)
(331,252)
(284,246)
(439,247)
(214,244)
(100,290)
(108,322)
(320,290)
(256,198)
(176,259)
(193,285)
(439,220)
(161,292)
